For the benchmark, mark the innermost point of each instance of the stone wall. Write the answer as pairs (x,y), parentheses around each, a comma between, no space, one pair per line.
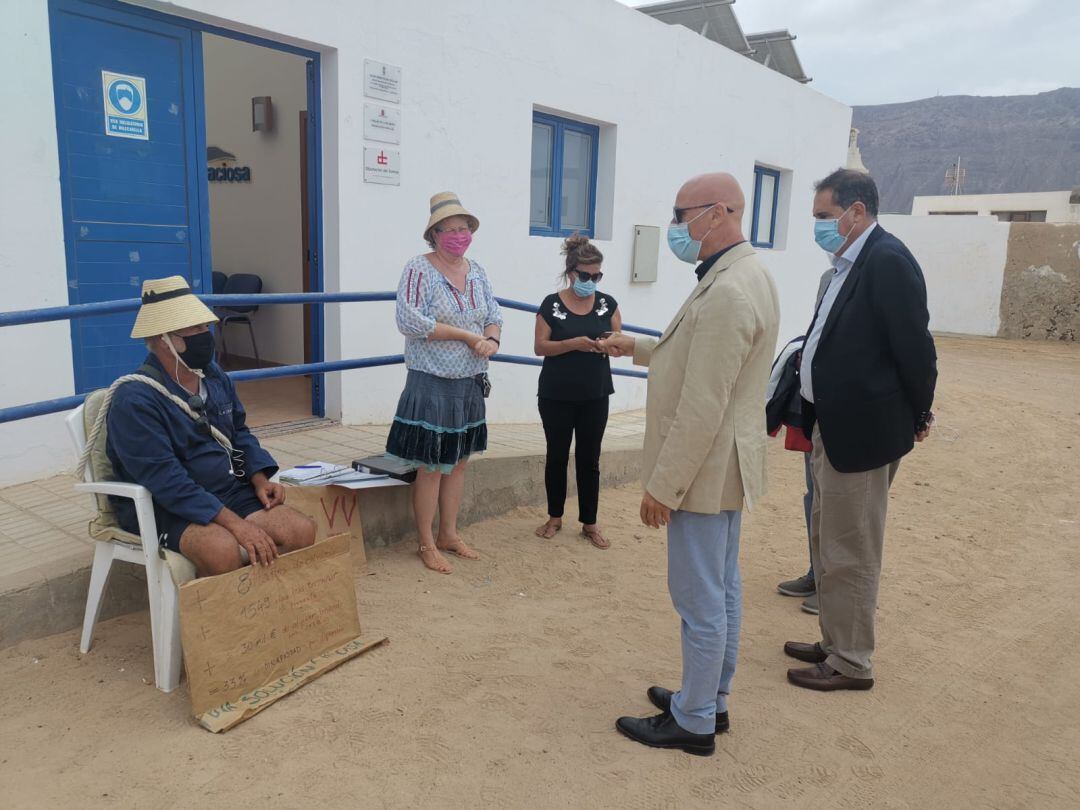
(1040,295)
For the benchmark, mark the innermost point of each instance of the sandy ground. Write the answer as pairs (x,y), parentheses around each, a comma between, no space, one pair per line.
(502,682)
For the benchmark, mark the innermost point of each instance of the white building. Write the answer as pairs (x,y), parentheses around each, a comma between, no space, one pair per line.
(491,100)
(1033,206)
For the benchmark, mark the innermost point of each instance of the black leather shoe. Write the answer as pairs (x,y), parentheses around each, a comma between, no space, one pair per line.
(810,653)
(661,699)
(661,731)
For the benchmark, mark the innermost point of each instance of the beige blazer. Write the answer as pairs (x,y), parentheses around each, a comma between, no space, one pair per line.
(705,418)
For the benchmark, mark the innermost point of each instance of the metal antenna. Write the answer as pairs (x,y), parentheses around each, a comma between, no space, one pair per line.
(955,176)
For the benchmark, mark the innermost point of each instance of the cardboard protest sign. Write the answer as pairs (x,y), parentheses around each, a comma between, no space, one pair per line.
(335,510)
(253,635)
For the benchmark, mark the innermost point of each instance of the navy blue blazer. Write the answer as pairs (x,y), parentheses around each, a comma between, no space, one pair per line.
(875,367)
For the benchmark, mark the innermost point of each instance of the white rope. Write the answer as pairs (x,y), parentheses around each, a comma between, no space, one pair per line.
(91,437)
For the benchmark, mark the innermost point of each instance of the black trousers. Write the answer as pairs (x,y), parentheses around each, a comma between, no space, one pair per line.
(585,423)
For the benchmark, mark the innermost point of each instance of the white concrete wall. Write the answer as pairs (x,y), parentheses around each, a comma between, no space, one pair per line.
(35,361)
(255,226)
(1054,203)
(473,71)
(963,261)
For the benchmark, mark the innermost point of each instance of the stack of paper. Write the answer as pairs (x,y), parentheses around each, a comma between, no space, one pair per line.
(321,473)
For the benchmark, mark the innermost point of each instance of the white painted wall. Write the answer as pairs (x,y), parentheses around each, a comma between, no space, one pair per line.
(35,361)
(963,261)
(1054,203)
(255,227)
(473,71)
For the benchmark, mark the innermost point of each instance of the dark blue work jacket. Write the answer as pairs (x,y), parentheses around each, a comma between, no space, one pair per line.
(152,442)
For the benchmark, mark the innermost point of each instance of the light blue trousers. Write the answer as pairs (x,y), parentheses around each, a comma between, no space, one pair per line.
(703,579)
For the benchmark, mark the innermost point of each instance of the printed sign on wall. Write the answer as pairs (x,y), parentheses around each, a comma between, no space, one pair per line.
(125,106)
(382,166)
(382,81)
(382,123)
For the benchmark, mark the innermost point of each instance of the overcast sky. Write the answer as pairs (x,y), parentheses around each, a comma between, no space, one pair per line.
(883,51)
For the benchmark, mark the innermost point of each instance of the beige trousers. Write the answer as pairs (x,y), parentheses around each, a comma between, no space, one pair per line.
(847,533)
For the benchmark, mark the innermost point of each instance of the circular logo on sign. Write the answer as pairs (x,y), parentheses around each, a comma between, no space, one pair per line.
(124,96)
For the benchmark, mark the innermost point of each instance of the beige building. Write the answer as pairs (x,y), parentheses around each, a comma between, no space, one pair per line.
(1036,206)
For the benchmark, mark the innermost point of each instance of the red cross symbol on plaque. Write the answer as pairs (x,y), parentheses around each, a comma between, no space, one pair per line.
(382,159)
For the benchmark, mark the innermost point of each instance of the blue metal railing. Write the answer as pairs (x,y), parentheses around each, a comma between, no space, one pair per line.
(46,314)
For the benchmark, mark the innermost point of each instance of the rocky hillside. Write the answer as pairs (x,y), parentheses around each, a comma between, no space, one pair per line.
(1006,143)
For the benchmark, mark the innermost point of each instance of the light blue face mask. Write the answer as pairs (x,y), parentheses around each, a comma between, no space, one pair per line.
(827,233)
(583,289)
(680,242)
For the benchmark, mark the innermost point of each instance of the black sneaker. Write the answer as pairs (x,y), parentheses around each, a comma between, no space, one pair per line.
(803,586)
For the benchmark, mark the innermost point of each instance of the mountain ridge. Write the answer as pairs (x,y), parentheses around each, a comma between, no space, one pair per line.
(1006,144)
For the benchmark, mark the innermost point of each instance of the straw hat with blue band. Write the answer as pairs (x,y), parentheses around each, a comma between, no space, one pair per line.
(444,205)
(169,305)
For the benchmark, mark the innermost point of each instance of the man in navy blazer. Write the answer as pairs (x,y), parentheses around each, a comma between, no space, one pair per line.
(867,379)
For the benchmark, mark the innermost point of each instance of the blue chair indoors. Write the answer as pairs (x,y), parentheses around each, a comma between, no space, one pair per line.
(239,284)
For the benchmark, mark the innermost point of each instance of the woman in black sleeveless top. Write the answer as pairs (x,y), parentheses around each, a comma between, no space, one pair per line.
(575,384)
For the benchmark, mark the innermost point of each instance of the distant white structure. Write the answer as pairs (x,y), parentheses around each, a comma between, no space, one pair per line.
(854,157)
(1035,206)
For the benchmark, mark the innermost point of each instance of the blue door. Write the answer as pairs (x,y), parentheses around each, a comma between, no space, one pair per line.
(132,174)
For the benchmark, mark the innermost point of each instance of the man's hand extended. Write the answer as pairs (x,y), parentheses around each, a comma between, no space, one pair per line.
(270,493)
(654,513)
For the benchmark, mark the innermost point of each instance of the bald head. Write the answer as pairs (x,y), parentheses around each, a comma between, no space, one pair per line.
(713,206)
(713,187)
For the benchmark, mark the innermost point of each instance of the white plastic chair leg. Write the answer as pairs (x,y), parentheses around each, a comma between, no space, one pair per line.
(168,654)
(99,579)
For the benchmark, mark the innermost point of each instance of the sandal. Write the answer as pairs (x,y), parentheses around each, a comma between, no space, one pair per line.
(595,537)
(460,549)
(444,568)
(549,529)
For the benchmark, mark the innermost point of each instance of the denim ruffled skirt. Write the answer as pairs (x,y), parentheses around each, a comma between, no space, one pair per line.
(439,422)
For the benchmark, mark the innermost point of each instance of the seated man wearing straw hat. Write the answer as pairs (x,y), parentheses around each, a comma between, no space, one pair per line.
(184,438)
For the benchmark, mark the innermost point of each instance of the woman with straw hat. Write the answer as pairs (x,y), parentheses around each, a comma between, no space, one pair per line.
(452,324)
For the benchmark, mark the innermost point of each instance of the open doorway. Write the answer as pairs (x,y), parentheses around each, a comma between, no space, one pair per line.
(256,102)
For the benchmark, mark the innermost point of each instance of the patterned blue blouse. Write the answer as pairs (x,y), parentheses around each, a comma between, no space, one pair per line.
(425,297)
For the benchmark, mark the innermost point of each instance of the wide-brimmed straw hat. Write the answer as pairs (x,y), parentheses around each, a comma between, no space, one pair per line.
(444,205)
(169,305)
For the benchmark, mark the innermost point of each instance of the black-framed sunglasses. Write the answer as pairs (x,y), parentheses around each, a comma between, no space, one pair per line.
(586,277)
(202,424)
(677,213)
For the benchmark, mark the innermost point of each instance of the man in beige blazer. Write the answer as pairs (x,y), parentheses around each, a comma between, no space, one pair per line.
(705,450)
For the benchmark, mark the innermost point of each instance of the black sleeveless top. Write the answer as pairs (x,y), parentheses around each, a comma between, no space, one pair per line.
(577,376)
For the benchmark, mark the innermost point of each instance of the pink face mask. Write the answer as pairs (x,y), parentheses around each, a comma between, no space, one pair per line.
(454,243)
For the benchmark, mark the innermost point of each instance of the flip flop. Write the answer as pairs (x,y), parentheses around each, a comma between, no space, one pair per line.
(597,538)
(457,553)
(542,532)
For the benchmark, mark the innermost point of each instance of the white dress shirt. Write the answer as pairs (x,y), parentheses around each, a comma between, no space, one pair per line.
(841,269)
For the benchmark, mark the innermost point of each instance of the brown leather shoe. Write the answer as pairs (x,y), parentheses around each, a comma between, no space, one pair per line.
(823,678)
(810,653)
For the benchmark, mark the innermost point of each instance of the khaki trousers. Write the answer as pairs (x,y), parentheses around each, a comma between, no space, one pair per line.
(847,533)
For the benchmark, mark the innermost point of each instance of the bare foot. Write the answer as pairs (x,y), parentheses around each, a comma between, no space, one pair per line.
(549,529)
(434,560)
(593,535)
(456,546)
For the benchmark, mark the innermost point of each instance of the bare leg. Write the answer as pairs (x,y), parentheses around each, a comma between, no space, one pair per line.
(425,500)
(287,528)
(450,494)
(211,548)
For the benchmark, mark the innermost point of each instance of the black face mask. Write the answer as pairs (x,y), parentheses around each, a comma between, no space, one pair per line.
(199,350)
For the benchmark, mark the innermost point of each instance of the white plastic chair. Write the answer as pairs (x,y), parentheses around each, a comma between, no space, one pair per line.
(141,549)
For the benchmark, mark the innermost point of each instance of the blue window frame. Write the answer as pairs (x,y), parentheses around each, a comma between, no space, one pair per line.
(766,197)
(562,193)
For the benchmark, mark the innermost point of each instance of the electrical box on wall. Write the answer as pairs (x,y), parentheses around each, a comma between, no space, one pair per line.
(646,253)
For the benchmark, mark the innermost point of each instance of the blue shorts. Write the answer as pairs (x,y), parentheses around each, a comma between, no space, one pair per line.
(243,501)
